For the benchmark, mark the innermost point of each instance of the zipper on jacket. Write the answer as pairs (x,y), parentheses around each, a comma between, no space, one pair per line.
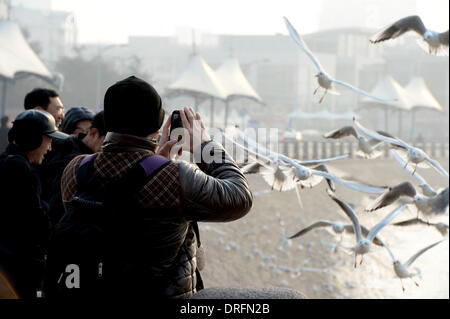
(100,269)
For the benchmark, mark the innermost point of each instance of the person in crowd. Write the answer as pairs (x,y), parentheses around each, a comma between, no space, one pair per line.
(4,128)
(24,223)
(46,100)
(63,151)
(176,195)
(77,120)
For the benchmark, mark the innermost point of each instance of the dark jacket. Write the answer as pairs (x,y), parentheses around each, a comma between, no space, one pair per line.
(176,196)
(24,224)
(50,172)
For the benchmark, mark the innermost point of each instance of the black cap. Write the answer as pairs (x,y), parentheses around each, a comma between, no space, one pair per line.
(39,122)
(132,106)
(75,115)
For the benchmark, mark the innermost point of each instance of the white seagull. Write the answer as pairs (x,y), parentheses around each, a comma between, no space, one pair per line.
(337,228)
(363,244)
(427,205)
(415,155)
(367,147)
(324,79)
(401,270)
(305,175)
(434,42)
(427,190)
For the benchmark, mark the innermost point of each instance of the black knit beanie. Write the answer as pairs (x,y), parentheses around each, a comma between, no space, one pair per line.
(132,106)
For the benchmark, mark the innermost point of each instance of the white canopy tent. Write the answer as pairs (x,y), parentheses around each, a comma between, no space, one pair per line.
(16,57)
(388,87)
(421,98)
(236,84)
(198,80)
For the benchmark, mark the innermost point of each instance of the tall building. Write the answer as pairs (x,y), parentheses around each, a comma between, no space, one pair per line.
(55,32)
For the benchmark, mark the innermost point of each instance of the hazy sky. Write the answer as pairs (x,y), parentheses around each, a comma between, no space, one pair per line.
(114,20)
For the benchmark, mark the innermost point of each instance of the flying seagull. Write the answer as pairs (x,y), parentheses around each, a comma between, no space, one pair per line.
(337,227)
(440,227)
(427,190)
(367,146)
(401,270)
(415,155)
(435,42)
(324,79)
(363,244)
(427,205)
(305,175)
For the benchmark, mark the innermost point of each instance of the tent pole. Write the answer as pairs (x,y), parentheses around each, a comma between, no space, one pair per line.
(212,111)
(3,105)
(412,131)
(386,126)
(226,113)
(195,103)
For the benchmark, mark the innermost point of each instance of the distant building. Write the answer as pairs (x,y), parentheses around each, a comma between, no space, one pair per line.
(55,32)
(368,13)
(3,10)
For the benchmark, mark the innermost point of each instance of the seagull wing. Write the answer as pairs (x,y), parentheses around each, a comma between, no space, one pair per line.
(391,195)
(411,23)
(420,252)
(409,222)
(323,168)
(376,240)
(440,202)
(380,137)
(361,91)
(436,166)
(320,223)
(443,38)
(342,132)
(324,160)
(355,186)
(403,163)
(393,137)
(299,40)
(252,168)
(378,227)
(350,214)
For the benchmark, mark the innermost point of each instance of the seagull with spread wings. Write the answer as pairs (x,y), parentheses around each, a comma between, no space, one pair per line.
(432,41)
(367,147)
(440,227)
(427,205)
(414,155)
(337,228)
(363,245)
(427,190)
(401,269)
(325,80)
(305,175)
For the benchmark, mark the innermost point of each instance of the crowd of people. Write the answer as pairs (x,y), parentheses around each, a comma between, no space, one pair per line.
(95,205)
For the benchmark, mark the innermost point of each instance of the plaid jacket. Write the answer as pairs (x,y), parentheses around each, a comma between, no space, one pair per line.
(178,194)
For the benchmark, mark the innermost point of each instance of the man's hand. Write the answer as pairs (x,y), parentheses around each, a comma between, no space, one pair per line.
(195,130)
(165,146)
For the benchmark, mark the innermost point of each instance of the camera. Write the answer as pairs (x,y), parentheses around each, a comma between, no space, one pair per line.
(176,123)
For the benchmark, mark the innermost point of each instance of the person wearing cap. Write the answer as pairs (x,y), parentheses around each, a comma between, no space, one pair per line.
(175,197)
(63,151)
(45,100)
(77,120)
(24,223)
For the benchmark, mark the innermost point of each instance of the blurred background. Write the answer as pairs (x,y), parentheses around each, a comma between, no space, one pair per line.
(89,45)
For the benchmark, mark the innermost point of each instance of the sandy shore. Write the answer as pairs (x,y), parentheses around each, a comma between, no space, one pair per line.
(250,253)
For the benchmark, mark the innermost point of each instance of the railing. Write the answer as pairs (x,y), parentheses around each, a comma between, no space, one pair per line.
(306,150)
